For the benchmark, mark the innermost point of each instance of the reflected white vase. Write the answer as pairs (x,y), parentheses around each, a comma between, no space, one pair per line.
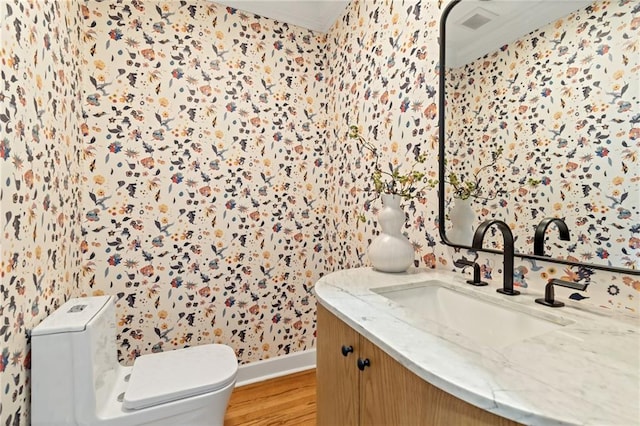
(462,218)
(391,250)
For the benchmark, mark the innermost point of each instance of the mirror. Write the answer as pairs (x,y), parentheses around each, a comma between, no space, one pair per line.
(540,118)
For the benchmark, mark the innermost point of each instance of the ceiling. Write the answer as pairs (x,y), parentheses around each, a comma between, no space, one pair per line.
(490,24)
(317,15)
(498,21)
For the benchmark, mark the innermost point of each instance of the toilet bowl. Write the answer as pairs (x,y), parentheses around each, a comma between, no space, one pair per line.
(76,378)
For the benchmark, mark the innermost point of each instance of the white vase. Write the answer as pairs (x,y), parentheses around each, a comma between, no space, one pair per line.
(391,250)
(462,217)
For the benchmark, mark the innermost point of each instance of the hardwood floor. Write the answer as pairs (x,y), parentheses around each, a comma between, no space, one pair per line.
(285,401)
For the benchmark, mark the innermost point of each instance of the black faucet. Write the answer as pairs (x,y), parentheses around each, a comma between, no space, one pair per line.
(463,263)
(507,236)
(549,297)
(541,229)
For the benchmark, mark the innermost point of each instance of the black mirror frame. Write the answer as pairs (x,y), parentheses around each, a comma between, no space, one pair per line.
(442,170)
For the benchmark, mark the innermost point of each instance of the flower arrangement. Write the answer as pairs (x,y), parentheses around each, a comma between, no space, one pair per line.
(472,187)
(391,181)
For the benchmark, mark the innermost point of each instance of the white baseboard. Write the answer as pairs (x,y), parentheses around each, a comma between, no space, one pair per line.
(275,367)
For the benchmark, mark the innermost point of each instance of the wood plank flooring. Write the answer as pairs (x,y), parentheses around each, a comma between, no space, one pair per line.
(285,401)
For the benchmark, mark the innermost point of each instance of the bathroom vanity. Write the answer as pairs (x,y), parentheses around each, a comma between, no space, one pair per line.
(423,347)
(359,384)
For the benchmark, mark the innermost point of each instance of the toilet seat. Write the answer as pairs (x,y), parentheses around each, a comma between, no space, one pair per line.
(163,377)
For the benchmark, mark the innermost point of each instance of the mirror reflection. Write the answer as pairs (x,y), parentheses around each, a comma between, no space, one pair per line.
(545,125)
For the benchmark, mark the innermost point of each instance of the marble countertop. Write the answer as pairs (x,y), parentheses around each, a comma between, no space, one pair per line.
(585,373)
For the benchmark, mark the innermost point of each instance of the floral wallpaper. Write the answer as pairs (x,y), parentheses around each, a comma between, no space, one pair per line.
(382,77)
(193,161)
(203,196)
(40,173)
(563,102)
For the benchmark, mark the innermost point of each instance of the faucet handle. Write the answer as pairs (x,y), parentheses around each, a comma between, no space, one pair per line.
(463,263)
(549,297)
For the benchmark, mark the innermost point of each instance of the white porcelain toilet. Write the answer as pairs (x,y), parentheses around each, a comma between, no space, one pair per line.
(76,378)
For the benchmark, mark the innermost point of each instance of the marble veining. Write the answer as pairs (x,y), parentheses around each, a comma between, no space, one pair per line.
(584,373)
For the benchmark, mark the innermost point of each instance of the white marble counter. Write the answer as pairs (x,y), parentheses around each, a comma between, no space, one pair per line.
(586,373)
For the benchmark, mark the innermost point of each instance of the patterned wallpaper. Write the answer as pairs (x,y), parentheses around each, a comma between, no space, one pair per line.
(211,181)
(564,102)
(203,207)
(40,173)
(382,76)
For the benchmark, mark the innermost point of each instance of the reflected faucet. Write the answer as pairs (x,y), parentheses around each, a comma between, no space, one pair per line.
(541,229)
(507,237)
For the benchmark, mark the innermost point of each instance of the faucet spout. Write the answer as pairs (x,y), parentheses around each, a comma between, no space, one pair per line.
(508,252)
(541,229)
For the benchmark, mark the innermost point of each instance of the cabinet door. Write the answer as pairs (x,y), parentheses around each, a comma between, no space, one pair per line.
(337,374)
(391,395)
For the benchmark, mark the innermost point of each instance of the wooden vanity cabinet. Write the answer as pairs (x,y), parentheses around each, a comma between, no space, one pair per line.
(383,392)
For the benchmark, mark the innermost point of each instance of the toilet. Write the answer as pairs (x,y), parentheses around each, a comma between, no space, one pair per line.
(76,378)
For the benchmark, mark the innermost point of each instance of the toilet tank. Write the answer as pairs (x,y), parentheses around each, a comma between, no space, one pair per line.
(73,360)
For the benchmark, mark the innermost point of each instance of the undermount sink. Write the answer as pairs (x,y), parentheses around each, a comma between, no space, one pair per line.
(484,321)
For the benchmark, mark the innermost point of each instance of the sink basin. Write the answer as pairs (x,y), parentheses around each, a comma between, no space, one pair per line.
(484,321)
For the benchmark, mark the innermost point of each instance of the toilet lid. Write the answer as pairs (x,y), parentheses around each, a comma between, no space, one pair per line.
(168,376)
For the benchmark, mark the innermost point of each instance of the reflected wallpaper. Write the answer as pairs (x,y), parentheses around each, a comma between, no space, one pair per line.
(564,102)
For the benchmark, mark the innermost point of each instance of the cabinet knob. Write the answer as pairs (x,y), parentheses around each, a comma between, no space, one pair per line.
(346,350)
(363,363)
